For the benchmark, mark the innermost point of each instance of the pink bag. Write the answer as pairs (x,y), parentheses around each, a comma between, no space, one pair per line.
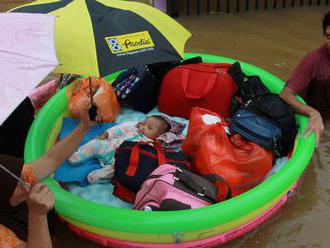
(172,188)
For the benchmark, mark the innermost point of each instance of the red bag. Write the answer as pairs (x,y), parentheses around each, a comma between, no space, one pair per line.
(241,163)
(204,84)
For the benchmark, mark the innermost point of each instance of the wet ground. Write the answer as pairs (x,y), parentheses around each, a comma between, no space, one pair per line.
(274,40)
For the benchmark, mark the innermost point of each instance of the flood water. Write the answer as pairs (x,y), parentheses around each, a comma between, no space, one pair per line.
(274,40)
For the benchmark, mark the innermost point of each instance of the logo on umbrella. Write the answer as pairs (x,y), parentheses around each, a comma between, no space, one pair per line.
(114,45)
(138,42)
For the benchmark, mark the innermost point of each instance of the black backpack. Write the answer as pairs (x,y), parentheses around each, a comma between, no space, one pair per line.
(250,87)
(253,95)
(273,108)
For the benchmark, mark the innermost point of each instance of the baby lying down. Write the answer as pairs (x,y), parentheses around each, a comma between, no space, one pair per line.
(154,128)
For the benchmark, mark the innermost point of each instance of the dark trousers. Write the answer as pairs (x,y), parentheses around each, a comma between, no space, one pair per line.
(14,130)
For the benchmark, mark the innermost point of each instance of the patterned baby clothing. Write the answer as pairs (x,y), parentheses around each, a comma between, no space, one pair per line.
(104,150)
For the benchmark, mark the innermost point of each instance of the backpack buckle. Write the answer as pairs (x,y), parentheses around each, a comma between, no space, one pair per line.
(276,147)
(178,171)
(202,194)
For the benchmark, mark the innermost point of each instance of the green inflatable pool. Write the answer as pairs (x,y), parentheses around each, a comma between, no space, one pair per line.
(204,227)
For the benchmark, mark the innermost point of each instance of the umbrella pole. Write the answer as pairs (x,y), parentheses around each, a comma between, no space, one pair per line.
(25,184)
(93,110)
(90,90)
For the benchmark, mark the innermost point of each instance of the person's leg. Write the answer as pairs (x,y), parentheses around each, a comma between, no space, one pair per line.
(14,130)
(104,174)
(106,157)
(85,152)
(99,149)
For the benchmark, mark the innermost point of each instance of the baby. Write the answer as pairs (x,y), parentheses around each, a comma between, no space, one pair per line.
(154,128)
(151,128)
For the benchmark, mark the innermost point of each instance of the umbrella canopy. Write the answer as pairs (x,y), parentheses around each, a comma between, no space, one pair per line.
(27,55)
(98,37)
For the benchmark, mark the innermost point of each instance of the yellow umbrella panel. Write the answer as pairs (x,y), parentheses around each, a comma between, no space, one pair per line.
(97,37)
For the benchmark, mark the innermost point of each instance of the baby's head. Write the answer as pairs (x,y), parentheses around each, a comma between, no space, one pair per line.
(153,126)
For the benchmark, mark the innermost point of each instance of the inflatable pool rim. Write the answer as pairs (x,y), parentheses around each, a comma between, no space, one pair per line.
(130,221)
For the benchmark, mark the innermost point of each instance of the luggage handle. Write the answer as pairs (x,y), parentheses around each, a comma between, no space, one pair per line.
(217,180)
(135,154)
(207,88)
(200,190)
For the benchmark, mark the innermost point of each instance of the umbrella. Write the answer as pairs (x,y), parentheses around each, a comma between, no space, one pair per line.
(98,37)
(27,55)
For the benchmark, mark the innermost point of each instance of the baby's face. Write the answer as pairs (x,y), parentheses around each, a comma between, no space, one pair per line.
(152,127)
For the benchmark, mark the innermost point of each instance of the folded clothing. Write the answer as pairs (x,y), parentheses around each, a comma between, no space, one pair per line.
(100,193)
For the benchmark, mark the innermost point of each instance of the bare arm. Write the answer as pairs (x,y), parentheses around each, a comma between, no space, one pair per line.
(40,201)
(315,120)
(39,236)
(38,232)
(48,163)
(288,96)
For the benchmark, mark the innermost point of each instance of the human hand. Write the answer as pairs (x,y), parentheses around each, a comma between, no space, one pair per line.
(40,199)
(315,124)
(84,114)
(104,136)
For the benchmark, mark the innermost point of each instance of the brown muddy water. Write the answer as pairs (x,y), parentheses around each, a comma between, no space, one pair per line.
(274,40)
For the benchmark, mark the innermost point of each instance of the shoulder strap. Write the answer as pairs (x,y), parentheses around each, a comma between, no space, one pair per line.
(237,74)
(135,156)
(193,60)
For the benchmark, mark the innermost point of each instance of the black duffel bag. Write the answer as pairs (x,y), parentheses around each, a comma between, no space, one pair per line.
(135,161)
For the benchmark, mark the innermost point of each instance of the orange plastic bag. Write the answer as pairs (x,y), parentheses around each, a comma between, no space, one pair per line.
(103,96)
(241,163)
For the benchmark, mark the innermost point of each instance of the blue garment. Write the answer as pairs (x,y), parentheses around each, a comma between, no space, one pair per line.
(68,173)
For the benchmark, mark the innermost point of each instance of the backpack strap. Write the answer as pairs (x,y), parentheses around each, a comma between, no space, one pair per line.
(193,60)
(135,156)
(250,87)
(237,74)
